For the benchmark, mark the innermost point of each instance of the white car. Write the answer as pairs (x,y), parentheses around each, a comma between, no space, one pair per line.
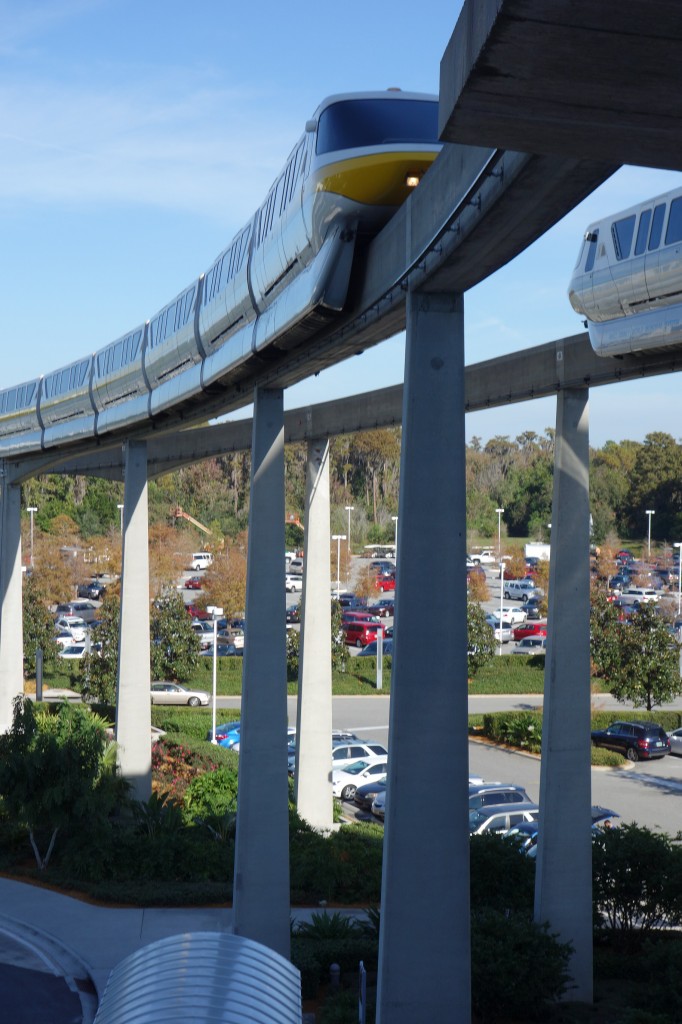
(74,625)
(513,614)
(345,781)
(293,582)
(73,652)
(173,693)
(346,753)
(531,645)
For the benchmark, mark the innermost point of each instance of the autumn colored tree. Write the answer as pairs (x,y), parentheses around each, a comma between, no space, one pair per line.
(224,581)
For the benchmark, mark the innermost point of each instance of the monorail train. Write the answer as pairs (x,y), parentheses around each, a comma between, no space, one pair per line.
(285,273)
(628,278)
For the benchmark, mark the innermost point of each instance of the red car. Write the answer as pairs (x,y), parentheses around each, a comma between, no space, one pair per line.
(530,629)
(358,633)
(197,613)
(193,583)
(385,583)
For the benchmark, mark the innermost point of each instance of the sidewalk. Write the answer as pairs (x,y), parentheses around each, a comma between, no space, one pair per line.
(83,942)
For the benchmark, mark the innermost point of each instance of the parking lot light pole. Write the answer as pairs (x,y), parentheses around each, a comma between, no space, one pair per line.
(349,509)
(499,533)
(650,512)
(31,509)
(338,537)
(501,599)
(120,508)
(678,545)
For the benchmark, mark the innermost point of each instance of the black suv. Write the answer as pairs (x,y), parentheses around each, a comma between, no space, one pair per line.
(638,741)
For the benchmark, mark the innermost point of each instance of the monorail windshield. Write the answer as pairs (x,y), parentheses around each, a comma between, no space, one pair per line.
(351,124)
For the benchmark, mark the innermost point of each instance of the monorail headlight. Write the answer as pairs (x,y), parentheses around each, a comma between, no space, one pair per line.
(412,180)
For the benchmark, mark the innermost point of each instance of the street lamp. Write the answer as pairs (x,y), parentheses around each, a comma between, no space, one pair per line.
(678,545)
(349,509)
(499,533)
(650,512)
(501,598)
(120,508)
(338,537)
(31,509)
(395,520)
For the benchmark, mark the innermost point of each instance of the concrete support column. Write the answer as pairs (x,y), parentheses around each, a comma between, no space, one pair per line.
(314,722)
(563,881)
(133,706)
(11,608)
(261,900)
(424,950)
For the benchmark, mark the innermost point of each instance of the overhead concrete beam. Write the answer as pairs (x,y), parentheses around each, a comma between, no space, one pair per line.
(598,81)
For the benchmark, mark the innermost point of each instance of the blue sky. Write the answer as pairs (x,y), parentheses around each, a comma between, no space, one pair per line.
(138,137)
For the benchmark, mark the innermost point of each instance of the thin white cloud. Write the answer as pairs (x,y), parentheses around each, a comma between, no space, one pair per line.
(22,23)
(160,144)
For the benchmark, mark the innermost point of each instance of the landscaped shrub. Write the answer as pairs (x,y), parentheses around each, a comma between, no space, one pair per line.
(500,876)
(516,728)
(637,881)
(178,760)
(211,794)
(517,967)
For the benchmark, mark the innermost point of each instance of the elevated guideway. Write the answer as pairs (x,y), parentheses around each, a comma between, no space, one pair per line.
(536,372)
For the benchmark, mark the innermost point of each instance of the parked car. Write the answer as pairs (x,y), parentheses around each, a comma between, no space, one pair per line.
(357,750)
(513,614)
(502,633)
(675,738)
(383,565)
(530,629)
(499,818)
(201,560)
(359,633)
(94,590)
(365,794)
(378,807)
(86,610)
(496,793)
(173,693)
(520,589)
(197,613)
(384,608)
(74,625)
(222,651)
(532,608)
(295,567)
(72,651)
(345,781)
(638,741)
(485,557)
(226,734)
(385,583)
(531,645)
(293,582)
(193,583)
(294,613)
(371,650)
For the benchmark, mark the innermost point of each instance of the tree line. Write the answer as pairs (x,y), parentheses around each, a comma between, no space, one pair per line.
(626,479)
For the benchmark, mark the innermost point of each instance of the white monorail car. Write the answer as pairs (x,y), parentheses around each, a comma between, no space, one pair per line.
(286,272)
(628,278)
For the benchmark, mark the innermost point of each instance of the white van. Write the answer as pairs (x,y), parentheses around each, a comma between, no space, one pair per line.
(643,595)
(201,560)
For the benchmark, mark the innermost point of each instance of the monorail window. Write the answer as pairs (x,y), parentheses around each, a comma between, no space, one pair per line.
(656,226)
(592,251)
(642,232)
(673,232)
(352,124)
(622,232)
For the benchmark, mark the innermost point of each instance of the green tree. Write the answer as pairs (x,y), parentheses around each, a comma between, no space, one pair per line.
(339,652)
(480,638)
(175,645)
(99,669)
(51,771)
(656,482)
(643,660)
(604,636)
(38,626)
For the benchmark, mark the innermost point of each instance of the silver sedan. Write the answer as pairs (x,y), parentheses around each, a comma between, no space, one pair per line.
(173,693)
